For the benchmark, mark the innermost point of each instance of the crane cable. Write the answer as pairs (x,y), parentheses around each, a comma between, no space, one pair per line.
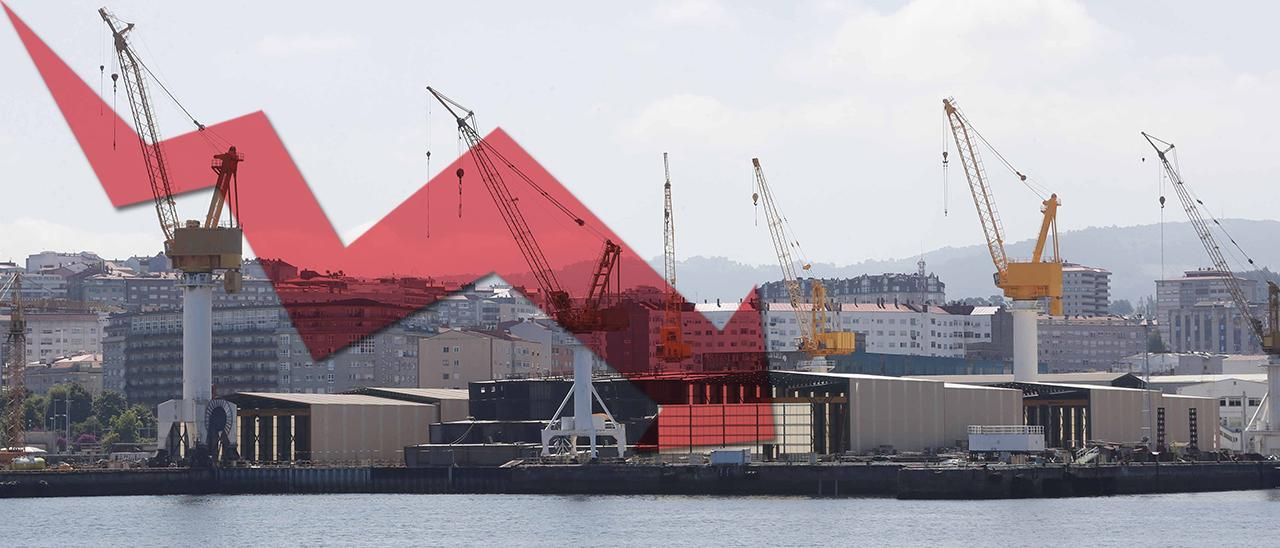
(1204,209)
(1030,183)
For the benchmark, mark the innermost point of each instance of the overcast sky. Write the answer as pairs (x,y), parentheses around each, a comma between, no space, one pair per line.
(842,103)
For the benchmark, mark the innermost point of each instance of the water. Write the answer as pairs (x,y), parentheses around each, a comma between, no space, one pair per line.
(1244,518)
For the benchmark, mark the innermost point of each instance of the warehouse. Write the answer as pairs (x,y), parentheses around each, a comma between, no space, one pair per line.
(1075,414)
(331,428)
(828,413)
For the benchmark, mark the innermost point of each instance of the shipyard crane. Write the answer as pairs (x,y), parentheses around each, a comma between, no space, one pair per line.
(199,250)
(816,339)
(671,345)
(1024,282)
(561,433)
(15,390)
(1266,333)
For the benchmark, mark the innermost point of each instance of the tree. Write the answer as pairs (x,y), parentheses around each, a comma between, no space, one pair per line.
(146,420)
(33,411)
(125,427)
(1156,344)
(107,406)
(1121,307)
(91,425)
(71,400)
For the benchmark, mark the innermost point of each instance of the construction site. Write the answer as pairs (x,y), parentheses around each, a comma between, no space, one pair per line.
(650,392)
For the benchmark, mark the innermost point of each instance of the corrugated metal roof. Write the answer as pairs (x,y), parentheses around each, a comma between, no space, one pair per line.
(429,393)
(1195,379)
(328,399)
(1086,377)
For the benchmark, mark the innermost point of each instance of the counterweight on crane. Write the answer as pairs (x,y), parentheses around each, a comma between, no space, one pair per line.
(1024,282)
(816,339)
(1266,333)
(562,432)
(199,250)
(671,345)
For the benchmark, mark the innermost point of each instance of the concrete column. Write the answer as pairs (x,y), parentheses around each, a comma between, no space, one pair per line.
(1026,347)
(582,398)
(1273,391)
(284,435)
(197,348)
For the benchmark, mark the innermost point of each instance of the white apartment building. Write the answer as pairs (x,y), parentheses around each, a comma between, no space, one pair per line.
(1086,290)
(887,328)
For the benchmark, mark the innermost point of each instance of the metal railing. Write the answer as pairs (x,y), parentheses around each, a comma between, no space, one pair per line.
(1005,429)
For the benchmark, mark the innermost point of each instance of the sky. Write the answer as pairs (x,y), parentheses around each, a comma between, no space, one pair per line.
(840,101)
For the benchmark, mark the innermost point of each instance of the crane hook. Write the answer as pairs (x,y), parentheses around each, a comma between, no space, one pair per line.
(460,172)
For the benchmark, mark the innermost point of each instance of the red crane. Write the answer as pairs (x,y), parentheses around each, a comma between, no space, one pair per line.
(576,319)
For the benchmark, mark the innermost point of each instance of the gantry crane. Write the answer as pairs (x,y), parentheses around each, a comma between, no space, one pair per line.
(15,390)
(199,250)
(1024,282)
(561,433)
(816,338)
(671,345)
(1266,334)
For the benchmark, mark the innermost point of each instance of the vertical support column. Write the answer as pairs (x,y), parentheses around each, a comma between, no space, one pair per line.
(1026,347)
(582,399)
(248,436)
(284,435)
(197,349)
(265,431)
(302,437)
(1273,391)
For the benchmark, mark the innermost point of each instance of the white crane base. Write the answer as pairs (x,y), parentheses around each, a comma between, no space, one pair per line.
(1026,344)
(562,438)
(187,414)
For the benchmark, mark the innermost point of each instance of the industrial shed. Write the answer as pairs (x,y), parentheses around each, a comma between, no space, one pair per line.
(452,402)
(1074,414)
(829,413)
(329,427)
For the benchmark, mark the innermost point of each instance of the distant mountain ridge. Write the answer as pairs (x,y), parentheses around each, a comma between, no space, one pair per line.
(1131,253)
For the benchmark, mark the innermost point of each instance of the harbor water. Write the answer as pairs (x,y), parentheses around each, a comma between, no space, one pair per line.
(1239,518)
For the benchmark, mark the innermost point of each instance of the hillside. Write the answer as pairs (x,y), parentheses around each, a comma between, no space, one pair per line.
(1131,253)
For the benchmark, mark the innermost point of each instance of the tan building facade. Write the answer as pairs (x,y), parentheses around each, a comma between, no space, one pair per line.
(454,358)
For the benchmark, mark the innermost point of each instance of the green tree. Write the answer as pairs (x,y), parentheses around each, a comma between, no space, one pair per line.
(107,406)
(91,425)
(71,400)
(125,427)
(1121,307)
(33,410)
(1156,344)
(146,420)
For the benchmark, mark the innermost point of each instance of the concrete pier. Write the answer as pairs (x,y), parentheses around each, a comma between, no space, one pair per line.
(823,480)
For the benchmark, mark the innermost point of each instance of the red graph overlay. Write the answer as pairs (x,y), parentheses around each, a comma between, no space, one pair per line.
(336,294)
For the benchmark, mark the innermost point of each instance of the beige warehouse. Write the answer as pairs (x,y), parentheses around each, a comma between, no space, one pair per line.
(329,427)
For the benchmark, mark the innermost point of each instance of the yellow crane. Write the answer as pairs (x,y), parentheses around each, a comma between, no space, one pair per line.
(671,345)
(1024,282)
(15,389)
(816,339)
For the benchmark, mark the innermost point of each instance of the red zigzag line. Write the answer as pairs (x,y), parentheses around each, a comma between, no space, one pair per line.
(283,220)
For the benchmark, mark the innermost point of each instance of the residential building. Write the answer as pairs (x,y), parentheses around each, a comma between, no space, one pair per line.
(51,335)
(1098,343)
(82,369)
(889,328)
(557,344)
(453,358)
(53,260)
(1086,290)
(1197,314)
(917,287)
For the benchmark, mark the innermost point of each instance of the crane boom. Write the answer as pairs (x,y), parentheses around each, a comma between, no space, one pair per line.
(1189,204)
(144,121)
(780,245)
(587,317)
(507,204)
(1020,280)
(981,190)
(671,345)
